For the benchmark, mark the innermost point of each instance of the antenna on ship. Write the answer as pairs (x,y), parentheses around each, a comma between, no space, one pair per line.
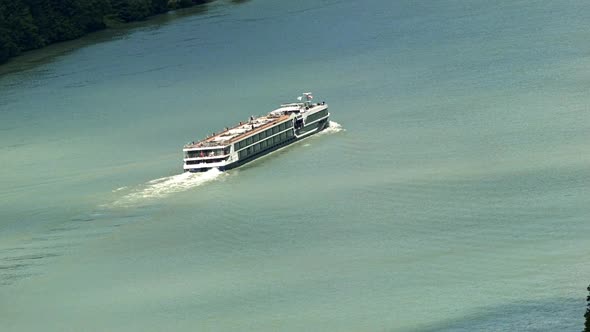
(307,96)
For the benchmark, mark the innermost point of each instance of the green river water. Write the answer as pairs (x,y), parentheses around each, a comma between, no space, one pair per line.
(450,194)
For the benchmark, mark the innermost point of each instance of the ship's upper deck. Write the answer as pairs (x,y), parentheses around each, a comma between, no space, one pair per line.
(254,125)
(239,131)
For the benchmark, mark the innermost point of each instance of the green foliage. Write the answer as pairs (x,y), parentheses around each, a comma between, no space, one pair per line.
(159,6)
(176,4)
(587,314)
(59,20)
(30,24)
(185,3)
(17,30)
(7,46)
(131,10)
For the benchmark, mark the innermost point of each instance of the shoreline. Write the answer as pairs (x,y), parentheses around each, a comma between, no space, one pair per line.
(110,23)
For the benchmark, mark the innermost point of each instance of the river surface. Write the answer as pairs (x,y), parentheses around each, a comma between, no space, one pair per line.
(450,194)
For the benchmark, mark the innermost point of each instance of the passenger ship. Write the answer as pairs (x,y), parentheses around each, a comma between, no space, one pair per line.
(252,139)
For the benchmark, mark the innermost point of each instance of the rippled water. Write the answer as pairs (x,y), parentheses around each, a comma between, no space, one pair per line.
(450,193)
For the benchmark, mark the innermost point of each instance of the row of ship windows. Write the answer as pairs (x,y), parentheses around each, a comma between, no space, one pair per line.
(263,135)
(206,161)
(266,144)
(206,153)
(316,116)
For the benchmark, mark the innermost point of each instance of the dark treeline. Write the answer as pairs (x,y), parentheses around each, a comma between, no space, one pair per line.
(587,314)
(30,24)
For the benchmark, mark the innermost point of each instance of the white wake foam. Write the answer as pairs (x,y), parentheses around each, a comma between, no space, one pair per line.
(119,189)
(166,186)
(334,127)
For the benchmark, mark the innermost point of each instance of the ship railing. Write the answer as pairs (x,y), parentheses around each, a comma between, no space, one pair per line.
(205,156)
(206,144)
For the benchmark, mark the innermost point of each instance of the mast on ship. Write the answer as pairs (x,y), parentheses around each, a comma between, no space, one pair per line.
(307,97)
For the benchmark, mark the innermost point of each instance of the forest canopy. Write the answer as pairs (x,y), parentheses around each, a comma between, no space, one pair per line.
(30,24)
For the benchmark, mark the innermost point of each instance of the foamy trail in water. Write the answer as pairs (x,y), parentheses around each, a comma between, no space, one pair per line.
(165,186)
(334,127)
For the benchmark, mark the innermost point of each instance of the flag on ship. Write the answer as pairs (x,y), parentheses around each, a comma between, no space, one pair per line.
(308,96)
